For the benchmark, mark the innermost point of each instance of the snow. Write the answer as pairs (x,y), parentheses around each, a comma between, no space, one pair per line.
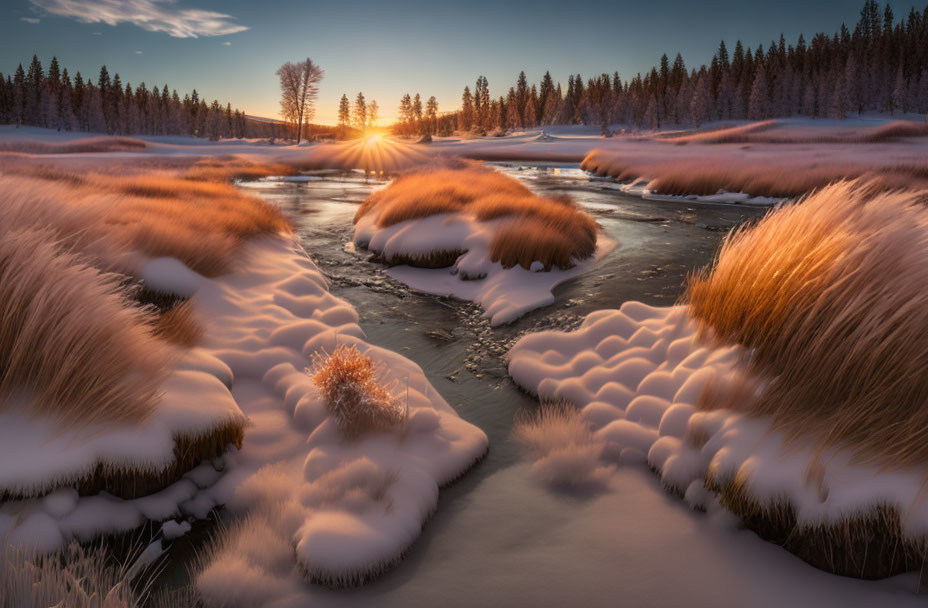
(36,453)
(504,293)
(636,373)
(352,506)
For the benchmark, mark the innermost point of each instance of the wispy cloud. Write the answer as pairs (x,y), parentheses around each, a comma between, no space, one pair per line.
(138,52)
(29,19)
(152,15)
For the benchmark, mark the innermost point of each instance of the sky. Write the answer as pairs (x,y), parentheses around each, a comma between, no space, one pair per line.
(229,50)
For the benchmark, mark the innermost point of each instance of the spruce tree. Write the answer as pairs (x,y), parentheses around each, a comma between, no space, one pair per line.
(344,111)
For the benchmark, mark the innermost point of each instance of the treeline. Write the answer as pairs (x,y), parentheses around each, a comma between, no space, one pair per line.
(54,100)
(879,66)
(418,119)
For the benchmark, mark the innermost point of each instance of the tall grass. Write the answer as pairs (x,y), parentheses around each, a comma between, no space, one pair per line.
(831,296)
(554,231)
(71,345)
(74,578)
(201,223)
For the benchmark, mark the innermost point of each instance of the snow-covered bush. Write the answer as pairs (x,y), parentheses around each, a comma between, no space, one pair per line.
(566,454)
(355,396)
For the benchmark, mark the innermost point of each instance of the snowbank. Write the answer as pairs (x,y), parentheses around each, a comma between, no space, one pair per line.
(637,374)
(352,506)
(505,293)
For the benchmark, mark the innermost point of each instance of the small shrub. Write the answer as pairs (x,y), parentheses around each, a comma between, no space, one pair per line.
(566,454)
(348,382)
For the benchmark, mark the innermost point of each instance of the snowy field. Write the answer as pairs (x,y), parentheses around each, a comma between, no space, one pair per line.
(310,504)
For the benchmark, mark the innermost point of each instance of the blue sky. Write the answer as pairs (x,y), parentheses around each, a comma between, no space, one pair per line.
(387,48)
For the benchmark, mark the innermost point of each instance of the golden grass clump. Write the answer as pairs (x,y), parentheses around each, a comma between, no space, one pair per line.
(203,224)
(70,343)
(831,297)
(359,402)
(554,231)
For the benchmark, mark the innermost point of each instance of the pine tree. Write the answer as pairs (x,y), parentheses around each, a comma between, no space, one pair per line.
(406,116)
(699,106)
(360,112)
(344,111)
(899,91)
(758,106)
(431,115)
(467,110)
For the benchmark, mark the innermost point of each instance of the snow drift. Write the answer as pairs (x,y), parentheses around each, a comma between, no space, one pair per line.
(790,385)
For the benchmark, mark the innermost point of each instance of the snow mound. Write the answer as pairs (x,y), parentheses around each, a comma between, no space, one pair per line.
(505,293)
(349,506)
(637,373)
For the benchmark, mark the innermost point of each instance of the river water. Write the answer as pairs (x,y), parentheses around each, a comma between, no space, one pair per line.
(498,538)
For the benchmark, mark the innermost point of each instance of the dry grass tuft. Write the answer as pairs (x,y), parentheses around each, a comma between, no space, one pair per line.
(70,342)
(74,577)
(554,231)
(79,146)
(356,398)
(831,296)
(565,451)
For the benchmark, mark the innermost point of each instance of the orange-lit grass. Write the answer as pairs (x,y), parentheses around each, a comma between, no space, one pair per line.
(553,231)
(775,132)
(359,402)
(228,168)
(78,146)
(831,296)
(780,178)
(201,223)
(71,345)
(178,326)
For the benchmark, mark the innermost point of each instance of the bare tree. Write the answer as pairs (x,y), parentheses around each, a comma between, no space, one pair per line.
(298,90)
